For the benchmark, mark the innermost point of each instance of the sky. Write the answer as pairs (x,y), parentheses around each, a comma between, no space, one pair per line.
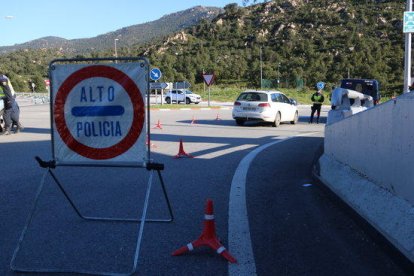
(25,20)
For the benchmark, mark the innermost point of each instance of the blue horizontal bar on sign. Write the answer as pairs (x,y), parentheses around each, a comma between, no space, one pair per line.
(95,111)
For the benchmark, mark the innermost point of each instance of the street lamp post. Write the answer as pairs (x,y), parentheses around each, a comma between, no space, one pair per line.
(407,56)
(261,69)
(278,74)
(116,53)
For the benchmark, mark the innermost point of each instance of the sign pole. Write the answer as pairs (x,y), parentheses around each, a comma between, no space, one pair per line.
(209,95)
(407,59)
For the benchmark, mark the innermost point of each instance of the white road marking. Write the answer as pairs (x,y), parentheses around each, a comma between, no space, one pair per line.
(217,153)
(240,244)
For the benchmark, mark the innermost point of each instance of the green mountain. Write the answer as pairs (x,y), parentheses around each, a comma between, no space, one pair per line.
(128,36)
(297,42)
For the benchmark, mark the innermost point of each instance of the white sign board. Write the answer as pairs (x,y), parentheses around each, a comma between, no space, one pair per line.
(98,114)
(408,22)
(158,85)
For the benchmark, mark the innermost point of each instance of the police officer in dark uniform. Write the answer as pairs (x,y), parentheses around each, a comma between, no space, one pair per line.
(317,100)
(11,108)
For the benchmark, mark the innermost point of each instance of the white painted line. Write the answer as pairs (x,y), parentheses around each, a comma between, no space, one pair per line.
(216,152)
(240,244)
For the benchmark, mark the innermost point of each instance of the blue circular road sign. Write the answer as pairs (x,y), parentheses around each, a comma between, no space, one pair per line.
(155,74)
(320,85)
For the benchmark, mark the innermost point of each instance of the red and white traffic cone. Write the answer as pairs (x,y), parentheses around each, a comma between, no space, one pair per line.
(158,125)
(181,152)
(208,237)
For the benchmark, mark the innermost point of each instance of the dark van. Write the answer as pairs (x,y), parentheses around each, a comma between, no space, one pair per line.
(365,86)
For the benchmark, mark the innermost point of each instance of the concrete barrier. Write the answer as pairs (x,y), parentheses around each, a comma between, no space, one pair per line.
(375,148)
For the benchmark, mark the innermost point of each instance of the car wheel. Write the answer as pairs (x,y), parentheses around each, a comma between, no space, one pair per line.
(295,119)
(168,100)
(239,122)
(276,123)
(187,100)
(196,103)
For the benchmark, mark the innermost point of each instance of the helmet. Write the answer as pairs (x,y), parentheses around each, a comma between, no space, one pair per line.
(3,78)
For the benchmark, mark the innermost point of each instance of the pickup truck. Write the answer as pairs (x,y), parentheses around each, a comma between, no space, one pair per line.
(365,86)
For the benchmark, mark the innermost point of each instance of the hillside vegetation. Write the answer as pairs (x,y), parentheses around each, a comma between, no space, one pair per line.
(299,42)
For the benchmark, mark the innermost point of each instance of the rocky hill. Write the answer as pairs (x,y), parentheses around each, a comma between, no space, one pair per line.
(299,41)
(295,42)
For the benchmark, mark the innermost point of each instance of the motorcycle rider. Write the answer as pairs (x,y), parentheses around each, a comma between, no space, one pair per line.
(2,98)
(11,108)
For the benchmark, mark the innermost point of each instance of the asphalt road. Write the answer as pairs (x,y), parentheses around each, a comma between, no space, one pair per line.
(295,229)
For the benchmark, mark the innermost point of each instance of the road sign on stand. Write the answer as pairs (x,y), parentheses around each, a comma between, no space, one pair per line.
(99,113)
(98,119)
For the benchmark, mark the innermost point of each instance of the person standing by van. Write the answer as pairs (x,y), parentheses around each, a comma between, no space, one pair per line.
(317,101)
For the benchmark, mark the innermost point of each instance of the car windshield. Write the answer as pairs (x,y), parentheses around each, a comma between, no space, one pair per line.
(253,97)
(187,92)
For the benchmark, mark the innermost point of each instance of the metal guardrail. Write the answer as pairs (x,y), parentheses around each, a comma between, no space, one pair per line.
(31,94)
(37,98)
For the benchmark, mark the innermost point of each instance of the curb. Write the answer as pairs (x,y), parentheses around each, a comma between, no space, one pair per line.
(390,215)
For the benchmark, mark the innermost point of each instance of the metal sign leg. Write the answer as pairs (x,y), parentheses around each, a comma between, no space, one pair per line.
(151,166)
(49,165)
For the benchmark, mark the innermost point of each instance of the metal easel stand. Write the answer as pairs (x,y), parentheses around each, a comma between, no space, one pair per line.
(52,165)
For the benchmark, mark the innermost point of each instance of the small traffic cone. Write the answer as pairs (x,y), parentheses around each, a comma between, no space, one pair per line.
(218,117)
(194,122)
(158,125)
(208,237)
(181,152)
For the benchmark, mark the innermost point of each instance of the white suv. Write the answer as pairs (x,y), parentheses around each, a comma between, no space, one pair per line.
(181,95)
(266,106)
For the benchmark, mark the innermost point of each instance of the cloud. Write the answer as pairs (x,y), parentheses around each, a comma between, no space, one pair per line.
(9,17)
